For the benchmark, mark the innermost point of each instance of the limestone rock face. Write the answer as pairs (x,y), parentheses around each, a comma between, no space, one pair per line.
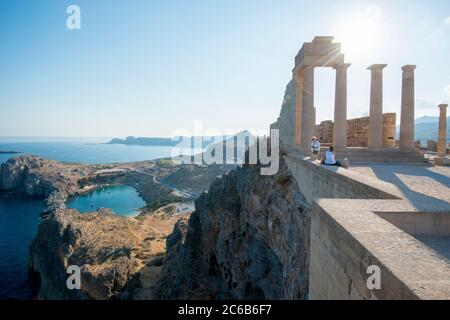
(116,255)
(247,239)
(13,173)
(30,174)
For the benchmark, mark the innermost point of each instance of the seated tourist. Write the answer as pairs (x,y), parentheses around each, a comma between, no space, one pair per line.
(330,158)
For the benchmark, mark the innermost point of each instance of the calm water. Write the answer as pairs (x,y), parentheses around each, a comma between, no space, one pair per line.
(19,218)
(123,200)
(91,151)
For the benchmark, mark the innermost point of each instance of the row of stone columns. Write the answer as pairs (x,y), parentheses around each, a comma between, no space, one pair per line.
(306,112)
(376,107)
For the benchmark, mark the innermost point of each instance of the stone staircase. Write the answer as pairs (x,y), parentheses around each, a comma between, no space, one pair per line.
(385,155)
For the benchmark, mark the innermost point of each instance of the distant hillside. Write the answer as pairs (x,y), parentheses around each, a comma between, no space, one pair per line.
(169,142)
(426,128)
(145,141)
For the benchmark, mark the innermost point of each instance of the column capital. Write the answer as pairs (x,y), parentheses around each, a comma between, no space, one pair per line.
(343,66)
(408,68)
(443,106)
(377,67)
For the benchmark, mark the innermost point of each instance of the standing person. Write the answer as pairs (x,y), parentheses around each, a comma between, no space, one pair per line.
(315,148)
(330,158)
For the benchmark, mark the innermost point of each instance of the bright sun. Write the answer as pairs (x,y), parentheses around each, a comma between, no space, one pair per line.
(360,34)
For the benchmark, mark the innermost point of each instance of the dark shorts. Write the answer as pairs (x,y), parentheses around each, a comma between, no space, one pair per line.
(315,152)
(337,164)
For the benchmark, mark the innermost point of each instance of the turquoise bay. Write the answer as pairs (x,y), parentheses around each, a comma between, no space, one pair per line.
(122,200)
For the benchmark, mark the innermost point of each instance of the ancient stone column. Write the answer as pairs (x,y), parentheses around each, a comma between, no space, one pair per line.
(308,115)
(340,108)
(407,115)
(376,107)
(298,76)
(442,142)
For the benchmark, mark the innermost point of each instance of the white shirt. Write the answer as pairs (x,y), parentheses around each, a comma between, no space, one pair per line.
(329,158)
(315,145)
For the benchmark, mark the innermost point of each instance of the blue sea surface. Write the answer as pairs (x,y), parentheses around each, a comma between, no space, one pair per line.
(19,218)
(91,151)
(122,200)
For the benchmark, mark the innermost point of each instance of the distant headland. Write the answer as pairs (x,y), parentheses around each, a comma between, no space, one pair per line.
(145,141)
(9,152)
(172,142)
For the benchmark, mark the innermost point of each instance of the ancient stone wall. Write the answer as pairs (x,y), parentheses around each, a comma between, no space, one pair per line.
(359,222)
(357,131)
(432,145)
(389,130)
(286,121)
(317,181)
(324,131)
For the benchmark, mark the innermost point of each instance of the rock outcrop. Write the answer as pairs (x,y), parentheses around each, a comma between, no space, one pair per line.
(18,174)
(247,239)
(35,176)
(118,257)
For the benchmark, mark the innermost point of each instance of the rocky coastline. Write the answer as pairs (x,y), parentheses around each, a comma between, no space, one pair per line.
(119,257)
(248,237)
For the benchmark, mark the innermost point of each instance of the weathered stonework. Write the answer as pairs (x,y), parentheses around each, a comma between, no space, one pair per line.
(358,131)
(358,221)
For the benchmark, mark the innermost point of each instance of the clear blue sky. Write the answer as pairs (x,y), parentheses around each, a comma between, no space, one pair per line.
(147,68)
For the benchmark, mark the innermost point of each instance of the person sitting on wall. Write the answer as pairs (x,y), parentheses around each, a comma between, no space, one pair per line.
(330,158)
(315,148)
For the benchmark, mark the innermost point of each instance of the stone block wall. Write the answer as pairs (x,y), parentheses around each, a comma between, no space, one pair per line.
(357,131)
(286,121)
(389,130)
(316,181)
(324,131)
(357,222)
(432,145)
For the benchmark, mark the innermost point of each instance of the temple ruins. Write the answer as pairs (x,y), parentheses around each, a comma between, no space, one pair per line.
(389,210)
(360,140)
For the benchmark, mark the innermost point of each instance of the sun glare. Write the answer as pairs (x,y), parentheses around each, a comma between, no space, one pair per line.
(360,34)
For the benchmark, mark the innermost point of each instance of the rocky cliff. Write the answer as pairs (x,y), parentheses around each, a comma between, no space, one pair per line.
(35,176)
(247,239)
(118,257)
(20,174)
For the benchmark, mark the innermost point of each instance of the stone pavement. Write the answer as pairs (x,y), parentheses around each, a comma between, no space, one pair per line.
(422,186)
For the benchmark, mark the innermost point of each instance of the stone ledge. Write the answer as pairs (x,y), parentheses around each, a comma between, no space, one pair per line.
(409,267)
(350,230)
(322,181)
